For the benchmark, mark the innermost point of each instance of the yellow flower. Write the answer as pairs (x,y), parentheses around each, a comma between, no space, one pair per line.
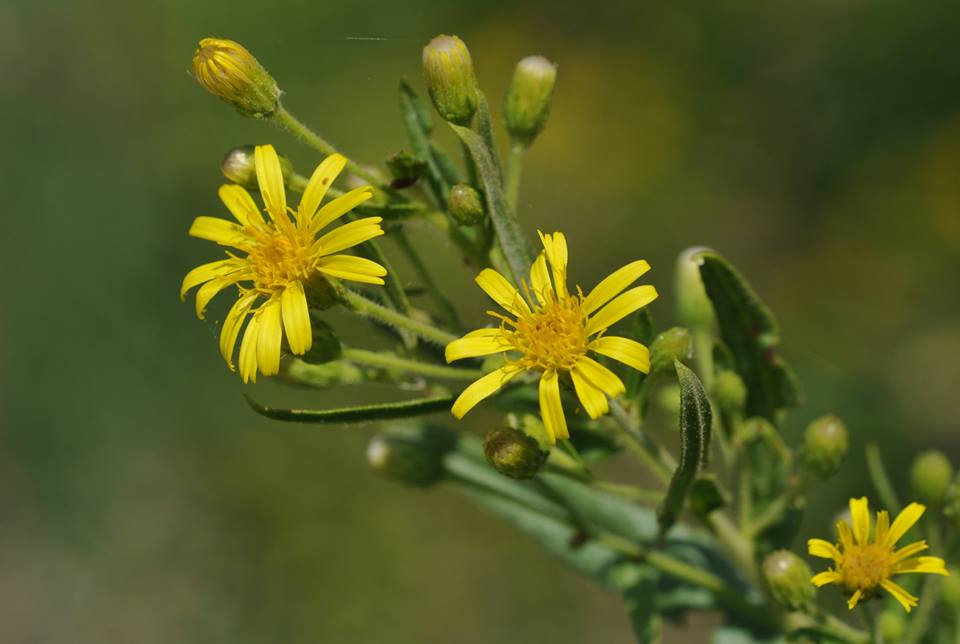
(283,254)
(552,331)
(862,564)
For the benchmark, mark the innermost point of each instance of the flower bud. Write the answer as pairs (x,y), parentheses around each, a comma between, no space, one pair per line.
(527,103)
(448,69)
(788,578)
(693,306)
(225,68)
(406,169)
(465,205)
(891,625)
(930,477)
(410,454)
(237,166)
(824,445)
(729,391)
(673,344)
(512,453)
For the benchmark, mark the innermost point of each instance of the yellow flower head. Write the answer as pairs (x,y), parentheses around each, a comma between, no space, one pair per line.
(281,254)
(862,564)
(552,331)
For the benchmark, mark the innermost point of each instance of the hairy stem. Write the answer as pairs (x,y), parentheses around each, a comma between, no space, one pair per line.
(390,361)
(514,170)
(360,305)
(426,278)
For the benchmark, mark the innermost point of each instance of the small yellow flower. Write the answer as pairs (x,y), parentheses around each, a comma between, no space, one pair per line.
(552,331)
(283,254)
(862,564)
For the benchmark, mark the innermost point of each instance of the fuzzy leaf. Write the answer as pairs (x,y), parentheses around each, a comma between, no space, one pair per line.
(750,332)
(361,413)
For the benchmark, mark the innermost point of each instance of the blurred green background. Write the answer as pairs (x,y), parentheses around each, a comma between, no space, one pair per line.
(816,144)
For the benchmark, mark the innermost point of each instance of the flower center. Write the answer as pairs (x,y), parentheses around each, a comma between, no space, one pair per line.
(553,336)
(865,566)
(279,257)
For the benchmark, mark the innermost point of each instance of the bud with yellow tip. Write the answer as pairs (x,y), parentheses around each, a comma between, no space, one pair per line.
(451,83)
(526,105)
(226,69)
(238,167)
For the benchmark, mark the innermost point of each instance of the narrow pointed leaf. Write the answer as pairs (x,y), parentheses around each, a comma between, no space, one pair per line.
(361,413)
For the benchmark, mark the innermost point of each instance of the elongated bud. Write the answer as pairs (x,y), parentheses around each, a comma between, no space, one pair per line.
(673,344)
(448,69)
(729,391)
(238,167)
(930,476)
(527,103)
(226,69)
(465,204)
(410,454)
(824,446)
(788,578)
(512,453)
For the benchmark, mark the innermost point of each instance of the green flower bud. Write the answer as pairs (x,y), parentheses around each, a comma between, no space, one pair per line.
(410,454)
(930,476)
(527,103)
(512,453)
(226,69)
(950,589)
(788,578)
(729,391)
(465,204)
(891,625)
(237,166)
(451,83)
(693,306)
(406,169)
(824,446)
(673,344)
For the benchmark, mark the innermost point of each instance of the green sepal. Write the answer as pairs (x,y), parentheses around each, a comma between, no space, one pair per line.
(357,414)
(750,331)
(695,419)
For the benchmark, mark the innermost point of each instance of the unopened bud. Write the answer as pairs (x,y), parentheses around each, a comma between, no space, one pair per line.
(512,453)
(673,344)
(410,454)
(527,103)
(788,578)
(406,169)
(238,167)
(451,83)
(930,476)
(729,391)
(891,625)
(226,69)
(693,306)
(824,445)
(465,204)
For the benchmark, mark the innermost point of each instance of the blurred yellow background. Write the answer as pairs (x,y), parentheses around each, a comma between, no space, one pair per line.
(815,144)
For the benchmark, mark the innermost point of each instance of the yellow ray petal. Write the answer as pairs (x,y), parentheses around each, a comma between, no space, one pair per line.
(482,388)
(555,248)
(909,550)
(844,533)
(218,230)
(629,352)
(501,291)
(317,186)
(551,408)
(904,521)
(207,272)
(349,235)
(593,400)
(827,577)
(481,342)
(296,318)
(883,526)
(231,326)
(348,267)
(906,600)
(928,565)
(825,549)
(209,290)
(270,338)
(613,285)
(860,516)
(540,280)
(852,602)
(340,206)
(599,376)
(247,359)
(240,204)
(270,179)
(620,307)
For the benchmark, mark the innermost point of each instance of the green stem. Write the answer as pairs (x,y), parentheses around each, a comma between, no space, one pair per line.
(390,361)
(930,591)
(640,443)
(878,474)
(514,170)
(426,278)
(703,355)
(631,492)
(870,623)
(290,123)
(740,547)
(370,309)
(744,495)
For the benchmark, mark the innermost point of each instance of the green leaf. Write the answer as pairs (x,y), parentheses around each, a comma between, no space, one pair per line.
(705,496)
(361,413)
(750,331)
(512,240)
(638,584)
(417,123)
(485,129)
(695,418)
